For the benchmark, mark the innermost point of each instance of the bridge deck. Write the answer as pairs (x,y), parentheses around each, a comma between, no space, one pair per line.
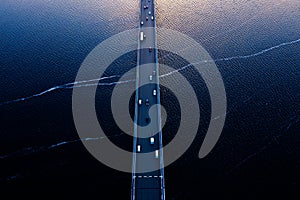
(150,185)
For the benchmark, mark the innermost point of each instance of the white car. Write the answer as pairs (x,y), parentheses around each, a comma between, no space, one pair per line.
(156,153)
(150,77)
(154,92)
(142,23)
(149,12)
(138,148)
(152,140)
(140,102)
(152,18)
(142,36)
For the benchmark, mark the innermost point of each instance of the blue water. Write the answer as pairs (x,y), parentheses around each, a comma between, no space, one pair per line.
(255,45)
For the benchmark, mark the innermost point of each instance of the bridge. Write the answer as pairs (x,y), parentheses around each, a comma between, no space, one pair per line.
(147,185)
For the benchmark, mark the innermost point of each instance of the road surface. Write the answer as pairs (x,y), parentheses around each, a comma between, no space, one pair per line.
(150,185)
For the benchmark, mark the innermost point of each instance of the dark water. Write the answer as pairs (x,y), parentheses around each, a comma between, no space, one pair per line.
(43,43)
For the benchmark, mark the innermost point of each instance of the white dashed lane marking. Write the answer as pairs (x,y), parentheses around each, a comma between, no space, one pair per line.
(147,176)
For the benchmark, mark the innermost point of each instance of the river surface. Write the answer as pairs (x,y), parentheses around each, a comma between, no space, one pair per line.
(255,45)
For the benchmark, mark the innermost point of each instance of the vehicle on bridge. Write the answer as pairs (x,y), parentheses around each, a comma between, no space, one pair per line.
(152,140)
(147,103)
(142,36)
(154,92)
(156,153)
(140,101)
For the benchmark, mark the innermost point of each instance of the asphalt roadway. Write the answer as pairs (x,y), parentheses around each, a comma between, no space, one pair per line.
(150,185)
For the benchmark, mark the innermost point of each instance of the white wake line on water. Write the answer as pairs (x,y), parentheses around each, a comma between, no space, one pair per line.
(35,149)
(64,86)
(30,150)
(245,56)
(79,83)
(260,52)
(234,57)
(82,140)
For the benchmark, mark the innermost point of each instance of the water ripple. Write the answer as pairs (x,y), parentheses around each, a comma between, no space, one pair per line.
(35,149)
(80,83)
